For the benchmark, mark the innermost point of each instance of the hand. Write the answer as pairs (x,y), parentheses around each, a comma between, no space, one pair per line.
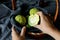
(16,36)
(46,24)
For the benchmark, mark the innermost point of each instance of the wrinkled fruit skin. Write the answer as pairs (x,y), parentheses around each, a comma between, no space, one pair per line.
(33,11)
(20,19)
(33,20)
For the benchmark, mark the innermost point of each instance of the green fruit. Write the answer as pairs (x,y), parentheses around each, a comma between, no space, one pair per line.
(33,20)
(20,19)
(33,11)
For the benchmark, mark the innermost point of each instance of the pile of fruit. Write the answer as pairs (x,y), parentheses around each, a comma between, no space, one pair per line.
(33,18)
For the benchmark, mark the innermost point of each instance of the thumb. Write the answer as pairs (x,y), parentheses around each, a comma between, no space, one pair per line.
(23,31)
(38,26)
(14,33)
(40,14)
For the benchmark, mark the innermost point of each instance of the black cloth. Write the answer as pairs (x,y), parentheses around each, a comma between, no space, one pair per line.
(6,13)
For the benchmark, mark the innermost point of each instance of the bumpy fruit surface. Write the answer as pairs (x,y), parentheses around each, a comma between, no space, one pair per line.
(33,20)
(20,19)
(33,11)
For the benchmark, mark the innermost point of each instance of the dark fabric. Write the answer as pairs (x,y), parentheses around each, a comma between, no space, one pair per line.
(6,13)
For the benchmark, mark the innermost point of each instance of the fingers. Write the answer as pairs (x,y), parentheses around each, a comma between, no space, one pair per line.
(37,35)
(40,14)
(37,26)
(31,33)
(23,31)
(14,31)
(15,35)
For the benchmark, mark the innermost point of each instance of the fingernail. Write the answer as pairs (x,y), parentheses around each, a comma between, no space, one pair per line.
(24,27)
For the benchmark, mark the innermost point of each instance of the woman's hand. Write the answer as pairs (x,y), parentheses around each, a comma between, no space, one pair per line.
(45,23)
(46,26)
(16,36)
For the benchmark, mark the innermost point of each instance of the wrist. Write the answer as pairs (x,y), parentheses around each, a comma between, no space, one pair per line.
(55,34)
